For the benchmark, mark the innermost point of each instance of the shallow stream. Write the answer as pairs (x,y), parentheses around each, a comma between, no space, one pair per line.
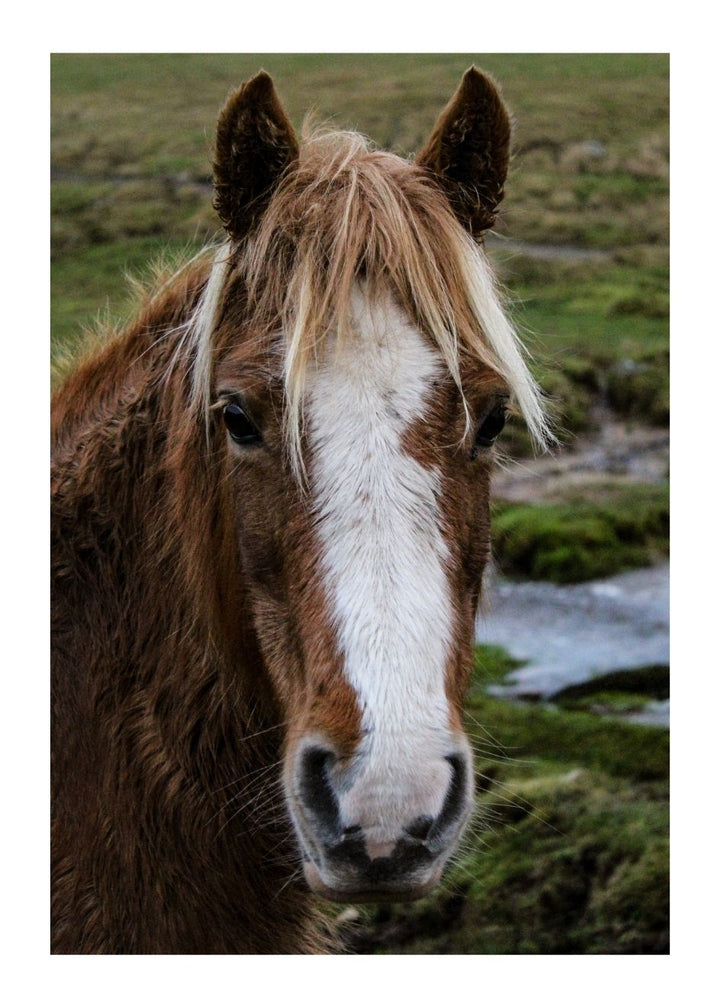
(569,634)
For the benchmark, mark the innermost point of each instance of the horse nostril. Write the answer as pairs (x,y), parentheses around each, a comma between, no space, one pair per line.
(420,827)
(455,799)
(316,791)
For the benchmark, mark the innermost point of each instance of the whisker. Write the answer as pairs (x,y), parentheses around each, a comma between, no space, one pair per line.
(524,804)
(296,875)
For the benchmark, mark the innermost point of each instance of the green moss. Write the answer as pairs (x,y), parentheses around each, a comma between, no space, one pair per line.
(581,539)
(569,876)
(569,400)
(607,702)
(651,681)
(641,389)
(630,913)
(491,664)
(627,751)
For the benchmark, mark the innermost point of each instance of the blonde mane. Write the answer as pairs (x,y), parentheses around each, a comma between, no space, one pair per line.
(347,212)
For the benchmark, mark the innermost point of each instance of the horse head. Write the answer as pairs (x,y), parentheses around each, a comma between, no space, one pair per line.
(356,369)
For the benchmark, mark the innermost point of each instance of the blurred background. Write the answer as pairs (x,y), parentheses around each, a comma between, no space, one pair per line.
(569,705)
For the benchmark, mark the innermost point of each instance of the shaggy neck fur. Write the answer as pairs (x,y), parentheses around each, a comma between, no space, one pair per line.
(161,737)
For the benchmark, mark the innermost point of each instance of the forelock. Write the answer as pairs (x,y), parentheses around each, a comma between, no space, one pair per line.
(346,212)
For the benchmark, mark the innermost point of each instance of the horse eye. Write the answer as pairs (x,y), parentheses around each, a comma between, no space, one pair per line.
(490,427)
(241,428)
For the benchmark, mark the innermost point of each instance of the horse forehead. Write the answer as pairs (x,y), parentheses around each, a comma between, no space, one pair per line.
(383,370)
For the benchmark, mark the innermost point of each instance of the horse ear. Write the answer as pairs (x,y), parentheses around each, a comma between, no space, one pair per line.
(255,144)
(469,150)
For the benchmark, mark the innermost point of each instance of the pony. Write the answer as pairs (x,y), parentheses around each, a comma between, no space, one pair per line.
(270,524)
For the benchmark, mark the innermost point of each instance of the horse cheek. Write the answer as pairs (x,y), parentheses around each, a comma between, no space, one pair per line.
(267,530)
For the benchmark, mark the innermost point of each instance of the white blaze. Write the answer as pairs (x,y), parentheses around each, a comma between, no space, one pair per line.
(383,558)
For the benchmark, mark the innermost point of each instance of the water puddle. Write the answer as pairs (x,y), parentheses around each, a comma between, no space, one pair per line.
(569,634)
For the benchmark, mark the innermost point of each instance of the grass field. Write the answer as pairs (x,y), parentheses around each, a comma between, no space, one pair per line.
(573,857)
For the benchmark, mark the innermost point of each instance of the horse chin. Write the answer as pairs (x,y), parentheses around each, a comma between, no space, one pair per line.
(401,891)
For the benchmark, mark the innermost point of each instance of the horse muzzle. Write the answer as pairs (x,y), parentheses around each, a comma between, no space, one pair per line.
(362,842)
